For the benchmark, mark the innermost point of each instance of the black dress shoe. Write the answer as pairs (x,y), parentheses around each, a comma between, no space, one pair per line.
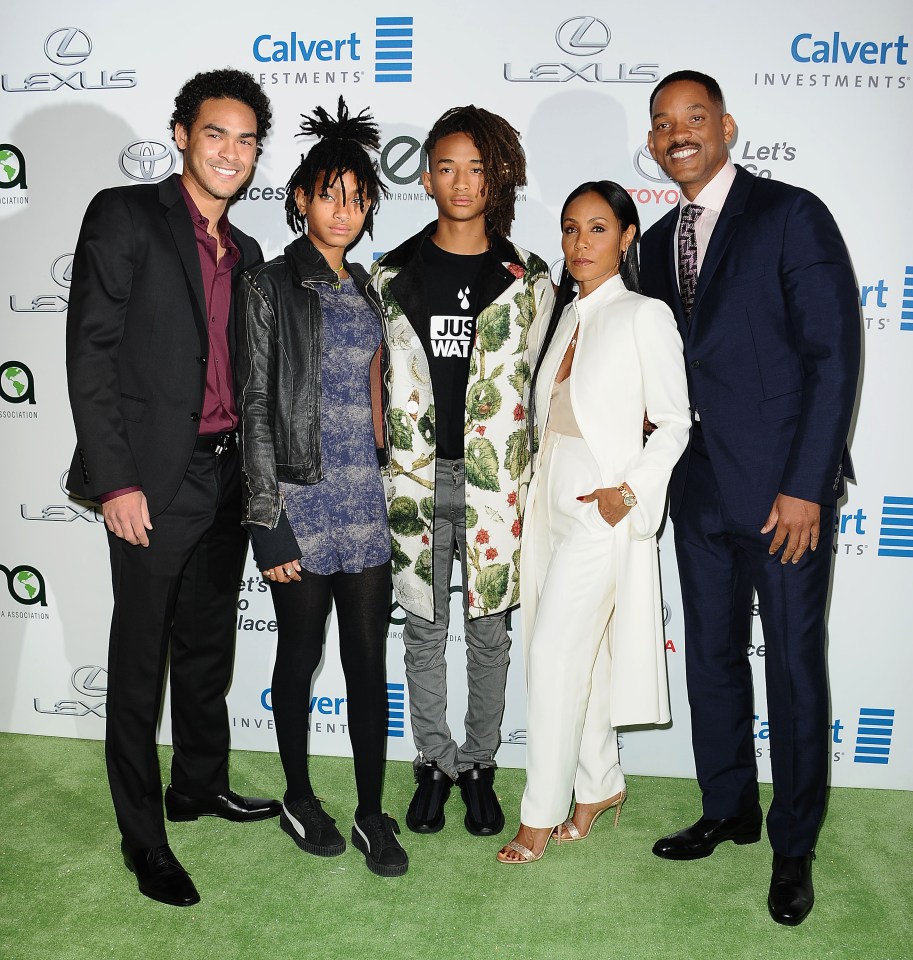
(791,894)
(703,837)
(160,876)
(426,812)
(484,816)
(228,806)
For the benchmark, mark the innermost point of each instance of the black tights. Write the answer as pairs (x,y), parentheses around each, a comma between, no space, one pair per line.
(362,610)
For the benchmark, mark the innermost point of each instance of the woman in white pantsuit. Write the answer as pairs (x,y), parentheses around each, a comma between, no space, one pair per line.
(589,583)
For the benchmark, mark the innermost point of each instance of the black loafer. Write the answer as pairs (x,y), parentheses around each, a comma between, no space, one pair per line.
(703,837)
(484,816)
(426,812)
(311,827)
(160,876)
(228,806)
(375,836)
(792,895)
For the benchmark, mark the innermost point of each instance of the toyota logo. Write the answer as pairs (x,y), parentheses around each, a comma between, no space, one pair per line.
(67,46)
(647,167)
(62,269)
(147,160)
(583,36)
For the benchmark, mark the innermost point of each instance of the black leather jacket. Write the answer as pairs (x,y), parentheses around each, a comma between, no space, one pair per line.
(277,382)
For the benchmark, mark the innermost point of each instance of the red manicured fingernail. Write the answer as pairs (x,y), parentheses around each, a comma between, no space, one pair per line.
(581,498)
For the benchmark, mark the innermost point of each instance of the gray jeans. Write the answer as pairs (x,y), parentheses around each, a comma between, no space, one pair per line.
(487,649)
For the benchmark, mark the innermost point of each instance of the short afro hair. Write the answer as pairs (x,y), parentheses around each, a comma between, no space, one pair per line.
(222,85)
(691,76)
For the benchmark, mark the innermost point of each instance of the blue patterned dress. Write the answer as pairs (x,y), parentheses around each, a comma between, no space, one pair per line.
(341,522)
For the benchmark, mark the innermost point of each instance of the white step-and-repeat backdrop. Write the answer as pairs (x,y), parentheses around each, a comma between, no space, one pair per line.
(822,96)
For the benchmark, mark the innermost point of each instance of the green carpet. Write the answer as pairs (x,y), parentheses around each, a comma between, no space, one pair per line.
(65,894)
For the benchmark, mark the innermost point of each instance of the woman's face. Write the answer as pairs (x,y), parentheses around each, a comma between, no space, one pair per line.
(333,223)
(592,241)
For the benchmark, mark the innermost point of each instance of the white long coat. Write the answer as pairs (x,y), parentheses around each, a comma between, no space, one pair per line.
(628,360)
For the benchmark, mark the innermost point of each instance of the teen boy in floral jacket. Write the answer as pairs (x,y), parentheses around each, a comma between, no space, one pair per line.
(458,301)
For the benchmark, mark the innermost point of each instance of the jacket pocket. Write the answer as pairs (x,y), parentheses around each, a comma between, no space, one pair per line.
(780,408)
(132,408)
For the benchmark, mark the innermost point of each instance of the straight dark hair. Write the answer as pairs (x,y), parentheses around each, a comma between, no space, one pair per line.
(625,211)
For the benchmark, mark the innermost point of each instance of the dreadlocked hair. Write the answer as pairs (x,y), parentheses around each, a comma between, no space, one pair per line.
(503,160)
(343,146)
(625,211)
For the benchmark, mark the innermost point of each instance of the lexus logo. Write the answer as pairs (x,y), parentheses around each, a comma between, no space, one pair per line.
(147,160)
(67,46)
(62,269)
(648,168)
(583,36)
(91,681)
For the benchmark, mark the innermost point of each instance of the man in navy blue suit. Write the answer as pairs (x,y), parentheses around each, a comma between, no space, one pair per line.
(762,287)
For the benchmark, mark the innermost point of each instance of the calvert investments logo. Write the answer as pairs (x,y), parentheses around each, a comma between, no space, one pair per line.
(906,312)
(396,709)
(583,37)
(146,161)
(896,534)
(91,685)
(66,48)
(306,59)
(882,309)
(873,735)
(841,61)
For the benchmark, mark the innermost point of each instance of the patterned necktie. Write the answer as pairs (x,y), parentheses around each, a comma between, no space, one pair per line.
(687,256)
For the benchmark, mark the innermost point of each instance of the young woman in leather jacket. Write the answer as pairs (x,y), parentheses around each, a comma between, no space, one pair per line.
(308,376)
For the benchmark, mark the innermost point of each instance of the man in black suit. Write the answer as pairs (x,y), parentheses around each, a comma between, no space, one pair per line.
(761,285)
(149,342)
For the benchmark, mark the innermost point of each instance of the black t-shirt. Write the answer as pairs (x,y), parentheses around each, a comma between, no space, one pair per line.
(450,282)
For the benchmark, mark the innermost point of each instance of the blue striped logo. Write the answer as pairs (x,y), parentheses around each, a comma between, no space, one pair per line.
(906,308)
(396,710)
(873,735)
(393,50)
(896,536)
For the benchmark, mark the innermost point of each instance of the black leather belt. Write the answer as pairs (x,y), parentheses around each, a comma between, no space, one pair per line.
(216,443)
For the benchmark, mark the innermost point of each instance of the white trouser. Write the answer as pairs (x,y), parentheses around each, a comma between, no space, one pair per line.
(571,744)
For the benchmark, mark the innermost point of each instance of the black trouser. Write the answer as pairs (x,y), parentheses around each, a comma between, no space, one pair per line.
(181,593)
(720,563)
(362,612)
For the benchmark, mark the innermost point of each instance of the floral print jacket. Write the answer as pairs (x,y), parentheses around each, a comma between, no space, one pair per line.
(512,286)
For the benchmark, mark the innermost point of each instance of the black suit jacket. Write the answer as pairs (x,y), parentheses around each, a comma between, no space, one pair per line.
(772,349)
(137,345)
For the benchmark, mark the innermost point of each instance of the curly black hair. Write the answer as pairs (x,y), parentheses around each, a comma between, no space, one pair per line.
(503,160)
(343,147)
(225,84)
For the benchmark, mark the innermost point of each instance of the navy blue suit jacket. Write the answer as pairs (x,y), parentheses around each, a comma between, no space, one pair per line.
(772,348)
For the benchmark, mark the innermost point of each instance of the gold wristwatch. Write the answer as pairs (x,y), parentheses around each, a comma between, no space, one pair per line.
(627,495)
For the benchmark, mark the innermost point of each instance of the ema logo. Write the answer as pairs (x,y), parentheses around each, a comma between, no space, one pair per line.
(896,535)
(583,37)
(26,585)
(17,385)
(393,50)
(69,47)
(873,735)
(12,167)
(396,710)
(906,308)
(146,161)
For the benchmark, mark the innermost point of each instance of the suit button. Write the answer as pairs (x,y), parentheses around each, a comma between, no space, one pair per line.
(695,363)
(195,417)
(201,359)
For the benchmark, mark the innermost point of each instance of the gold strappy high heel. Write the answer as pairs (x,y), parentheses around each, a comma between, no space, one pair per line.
(527,855)
(571,828)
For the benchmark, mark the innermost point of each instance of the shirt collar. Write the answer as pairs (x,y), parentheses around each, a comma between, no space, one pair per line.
(714,194)
(197,218)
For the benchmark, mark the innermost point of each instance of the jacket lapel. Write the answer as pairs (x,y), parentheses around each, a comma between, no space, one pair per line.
(723,232)
(178,219)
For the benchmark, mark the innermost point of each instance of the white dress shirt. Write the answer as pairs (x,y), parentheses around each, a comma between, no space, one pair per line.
(711,198)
